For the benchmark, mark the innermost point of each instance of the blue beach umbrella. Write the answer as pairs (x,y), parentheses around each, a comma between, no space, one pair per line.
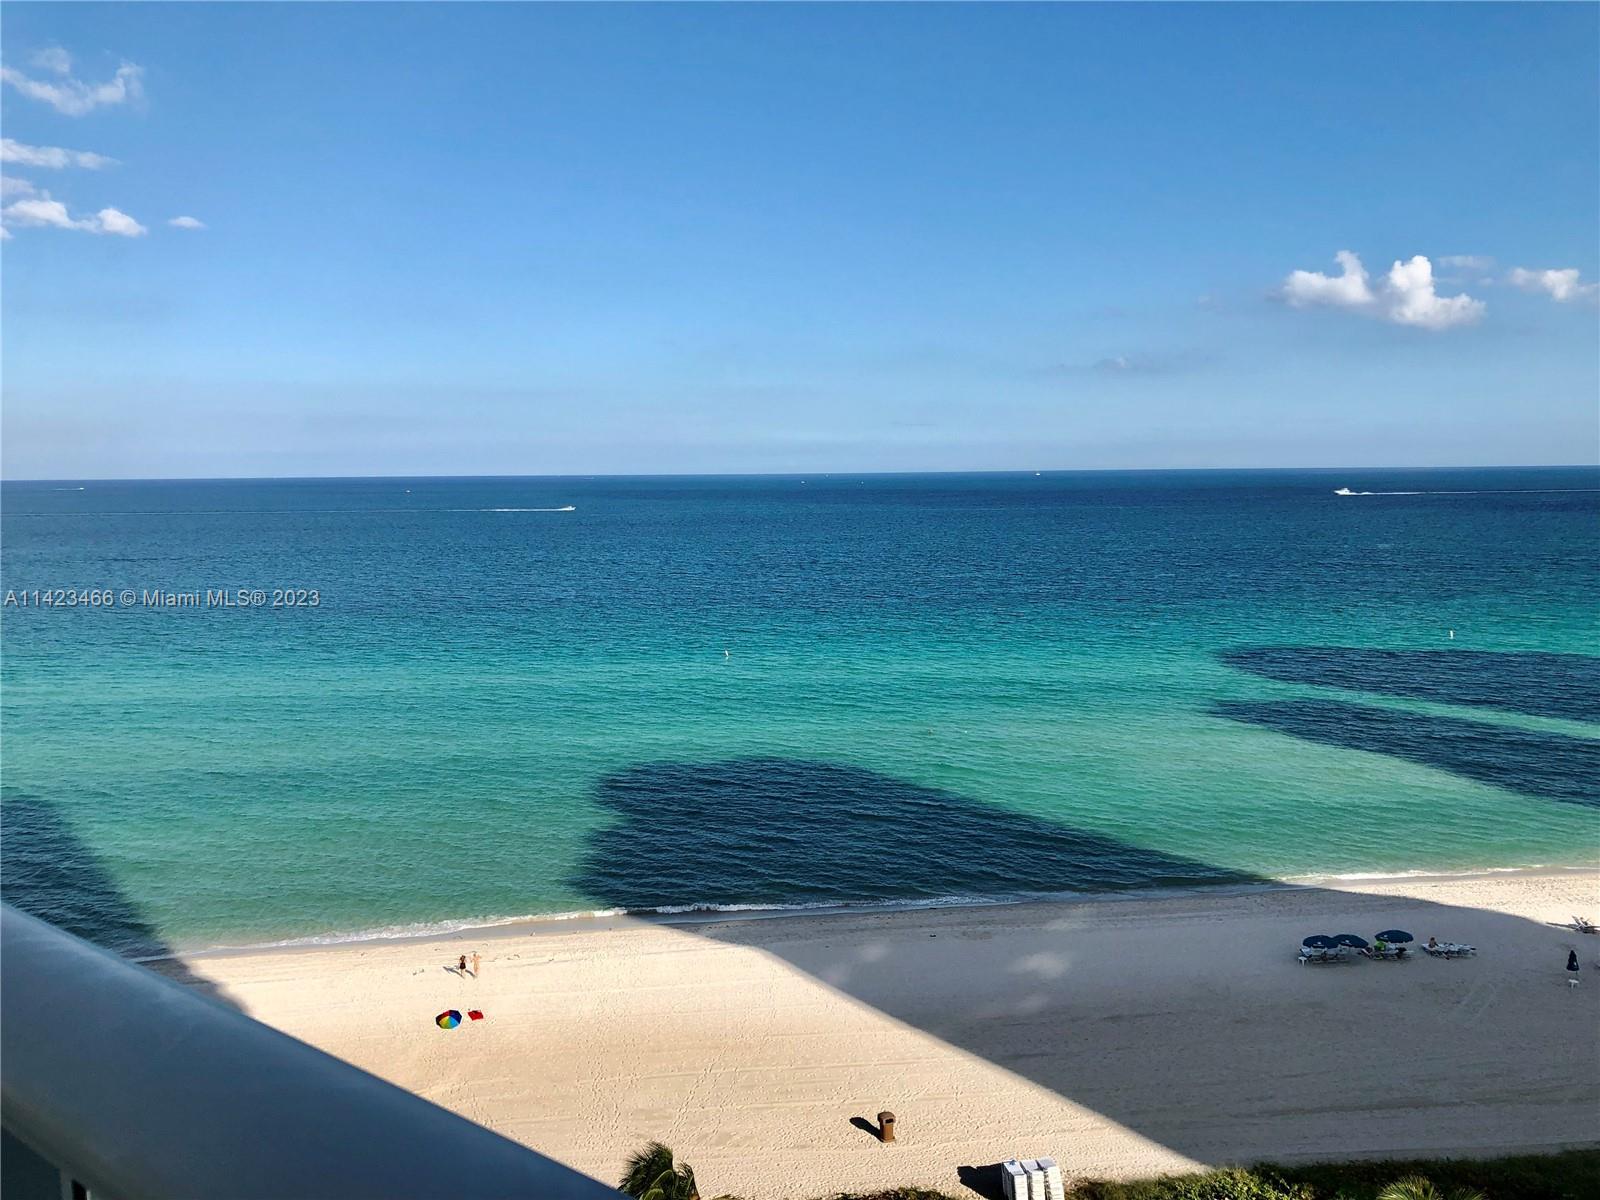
(1319,941)
(1351,940)
(1394,935)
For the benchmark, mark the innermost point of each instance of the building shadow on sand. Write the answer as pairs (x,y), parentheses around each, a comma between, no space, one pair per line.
(47,871)
(780,830)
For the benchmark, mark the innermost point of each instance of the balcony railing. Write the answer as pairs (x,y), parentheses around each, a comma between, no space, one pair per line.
(117,1084)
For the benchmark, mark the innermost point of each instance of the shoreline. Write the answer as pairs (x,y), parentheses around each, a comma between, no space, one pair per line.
(492,928)
(1126,1036)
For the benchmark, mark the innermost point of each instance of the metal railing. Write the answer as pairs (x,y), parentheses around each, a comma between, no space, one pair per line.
(133,1087)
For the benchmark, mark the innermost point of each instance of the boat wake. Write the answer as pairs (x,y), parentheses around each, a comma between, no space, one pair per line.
(1344,491)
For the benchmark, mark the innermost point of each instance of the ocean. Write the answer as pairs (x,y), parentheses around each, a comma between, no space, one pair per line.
(265,711)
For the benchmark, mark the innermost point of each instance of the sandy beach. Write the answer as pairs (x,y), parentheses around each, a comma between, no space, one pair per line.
(1124,1037)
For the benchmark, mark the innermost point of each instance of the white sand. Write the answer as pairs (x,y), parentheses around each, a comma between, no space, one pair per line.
(1124,1037)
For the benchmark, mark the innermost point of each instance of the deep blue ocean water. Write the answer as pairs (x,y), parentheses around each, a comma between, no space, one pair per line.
(540,696)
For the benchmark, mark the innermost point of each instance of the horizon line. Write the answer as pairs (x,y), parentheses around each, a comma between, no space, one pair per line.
(801,475)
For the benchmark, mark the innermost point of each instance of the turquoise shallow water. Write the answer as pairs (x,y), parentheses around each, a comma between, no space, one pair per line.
(768,691)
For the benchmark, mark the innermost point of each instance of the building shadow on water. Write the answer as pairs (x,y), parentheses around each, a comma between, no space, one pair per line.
(48,872)
(1530,762)
(787,831)
(1533,683)
(780,831)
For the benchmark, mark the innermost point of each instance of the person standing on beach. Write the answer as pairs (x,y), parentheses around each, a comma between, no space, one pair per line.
(461,965)
(476,959)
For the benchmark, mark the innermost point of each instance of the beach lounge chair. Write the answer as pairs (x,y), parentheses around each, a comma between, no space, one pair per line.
(1050,1177)
(1013,1180)
(1031,1179)
(1584,925)
(1314,954)
(1450,950)
(1319,947)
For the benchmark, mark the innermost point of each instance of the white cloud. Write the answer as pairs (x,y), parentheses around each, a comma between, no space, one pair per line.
(74,97)
(1559,283)
(53,58)
(39,210)
(10,185)
(187,223)
(52,157)
(113,220)
(1406,296)
(1348,289)
(1467,262)
(1412,299)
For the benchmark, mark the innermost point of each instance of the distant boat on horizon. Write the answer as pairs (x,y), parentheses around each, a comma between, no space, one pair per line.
(1343,492)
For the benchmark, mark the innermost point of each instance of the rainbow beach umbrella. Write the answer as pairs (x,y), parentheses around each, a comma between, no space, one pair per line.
(448,1019)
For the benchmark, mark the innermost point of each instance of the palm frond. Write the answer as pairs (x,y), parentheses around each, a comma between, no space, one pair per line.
(652,1174)
(1412,1187)
(645,1169)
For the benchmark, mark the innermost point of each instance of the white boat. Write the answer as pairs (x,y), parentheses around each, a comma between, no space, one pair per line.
(1343,492)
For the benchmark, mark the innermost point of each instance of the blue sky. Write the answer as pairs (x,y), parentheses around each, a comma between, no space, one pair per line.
(502,239)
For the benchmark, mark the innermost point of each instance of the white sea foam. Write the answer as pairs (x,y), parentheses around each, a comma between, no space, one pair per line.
(1435,873)
(709,912)
(419,929)
(430,929)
